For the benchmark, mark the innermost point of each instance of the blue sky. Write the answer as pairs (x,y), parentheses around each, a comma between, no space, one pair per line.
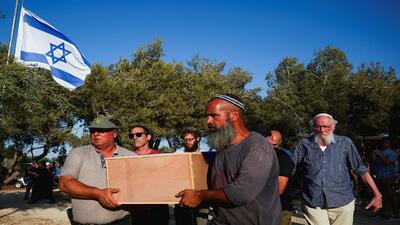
(253,35)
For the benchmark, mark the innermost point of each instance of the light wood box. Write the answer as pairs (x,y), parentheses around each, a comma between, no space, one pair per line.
(156,178)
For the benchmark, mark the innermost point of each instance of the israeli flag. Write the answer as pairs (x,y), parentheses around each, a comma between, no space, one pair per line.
(42,45)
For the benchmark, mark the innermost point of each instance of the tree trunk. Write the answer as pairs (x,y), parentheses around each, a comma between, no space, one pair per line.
(44,153)
(12,177)
(11,174)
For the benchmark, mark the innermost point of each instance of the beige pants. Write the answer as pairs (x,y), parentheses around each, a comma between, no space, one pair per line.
(333,216)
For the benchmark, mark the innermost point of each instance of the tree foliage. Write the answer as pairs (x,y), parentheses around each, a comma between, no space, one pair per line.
(363,101)
(166,97)
(35,112)
(169,97)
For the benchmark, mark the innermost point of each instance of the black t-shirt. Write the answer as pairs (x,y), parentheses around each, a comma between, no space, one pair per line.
(286,166)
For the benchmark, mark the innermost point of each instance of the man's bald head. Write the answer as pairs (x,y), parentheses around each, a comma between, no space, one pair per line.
(227,106)
(230,102)
(275,138)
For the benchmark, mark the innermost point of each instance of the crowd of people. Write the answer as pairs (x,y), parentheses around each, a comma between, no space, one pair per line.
(251,176)
(41,178)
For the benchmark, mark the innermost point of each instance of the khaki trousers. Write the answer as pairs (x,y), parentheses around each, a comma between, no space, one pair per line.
(332,216)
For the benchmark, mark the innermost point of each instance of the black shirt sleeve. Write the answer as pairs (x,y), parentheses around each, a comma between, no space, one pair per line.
(286,164)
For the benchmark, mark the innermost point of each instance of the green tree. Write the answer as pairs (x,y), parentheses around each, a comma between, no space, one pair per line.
(363,101)
(35,112)
(166,97)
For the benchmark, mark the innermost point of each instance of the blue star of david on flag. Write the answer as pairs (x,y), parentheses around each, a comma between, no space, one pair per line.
(53,53)
(35,36)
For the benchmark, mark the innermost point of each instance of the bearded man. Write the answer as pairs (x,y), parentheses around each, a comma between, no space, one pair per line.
(191,140)
(244,176)
(323,161)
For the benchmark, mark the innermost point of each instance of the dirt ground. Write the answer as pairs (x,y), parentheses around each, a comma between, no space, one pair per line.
(14,210)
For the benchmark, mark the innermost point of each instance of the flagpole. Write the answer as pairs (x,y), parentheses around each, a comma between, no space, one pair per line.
(12,30)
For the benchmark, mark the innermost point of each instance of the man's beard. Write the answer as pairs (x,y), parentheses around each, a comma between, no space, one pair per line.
(194,147)
(218,139)
(324,139)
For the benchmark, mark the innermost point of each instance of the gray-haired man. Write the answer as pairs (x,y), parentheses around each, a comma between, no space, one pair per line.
(324,161)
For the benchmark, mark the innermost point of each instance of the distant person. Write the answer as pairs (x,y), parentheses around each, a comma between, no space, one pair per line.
(384,166)
(244,176)
(191,140)
(57,173)
(42,187)
(286,167)
(51,167)
(84,178)
(324,161)
(183,215)
(30,175)
(152,214)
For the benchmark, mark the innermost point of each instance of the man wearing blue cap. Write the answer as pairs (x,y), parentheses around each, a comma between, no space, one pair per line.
(84,178)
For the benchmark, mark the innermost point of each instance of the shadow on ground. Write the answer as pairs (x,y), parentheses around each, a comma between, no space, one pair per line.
(15,200)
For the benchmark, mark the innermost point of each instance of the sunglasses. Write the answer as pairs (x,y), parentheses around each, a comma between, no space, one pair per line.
(131,135)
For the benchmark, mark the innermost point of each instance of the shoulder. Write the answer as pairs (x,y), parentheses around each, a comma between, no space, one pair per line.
(256,144)
(306,141)
(342,139)
(256,139)
(281,153)
(390,153)
(81,150)
(393,152)
(124,152)
(153,151)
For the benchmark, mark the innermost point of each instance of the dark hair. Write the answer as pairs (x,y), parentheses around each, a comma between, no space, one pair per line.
(190,131)
(145,129)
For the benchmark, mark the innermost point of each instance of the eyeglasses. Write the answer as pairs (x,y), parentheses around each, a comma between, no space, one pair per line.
(189,139)
(131,135)
(322,127)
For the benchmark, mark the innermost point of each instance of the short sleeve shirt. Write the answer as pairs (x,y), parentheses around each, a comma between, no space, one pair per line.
(247,172)
(85,164)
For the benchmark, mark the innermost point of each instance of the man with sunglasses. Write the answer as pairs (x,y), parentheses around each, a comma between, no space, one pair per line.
(84,178)
(323,162)
(140,140)
(156,214)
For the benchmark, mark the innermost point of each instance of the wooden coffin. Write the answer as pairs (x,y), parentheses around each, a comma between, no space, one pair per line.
(157,178)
